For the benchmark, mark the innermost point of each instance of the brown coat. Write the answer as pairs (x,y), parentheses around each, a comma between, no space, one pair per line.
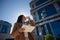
(20,35)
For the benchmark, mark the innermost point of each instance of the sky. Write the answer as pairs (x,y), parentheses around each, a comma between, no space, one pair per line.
(11,9)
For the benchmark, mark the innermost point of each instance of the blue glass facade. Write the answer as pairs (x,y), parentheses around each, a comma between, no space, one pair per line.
(37,31)
(58,3)
(56,27)
(49,28)
(32,6)
(4,29)
(0,25)
(50,10)
(34,16)
(43,30)
(39,14)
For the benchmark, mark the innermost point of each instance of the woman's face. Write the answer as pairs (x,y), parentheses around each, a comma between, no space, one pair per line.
(23,19)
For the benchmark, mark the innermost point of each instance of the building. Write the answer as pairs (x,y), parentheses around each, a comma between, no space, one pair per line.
(5,27)
(46,15)
(5,30)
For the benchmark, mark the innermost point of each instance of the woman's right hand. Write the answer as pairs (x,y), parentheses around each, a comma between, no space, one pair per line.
(28,17)
(21,30)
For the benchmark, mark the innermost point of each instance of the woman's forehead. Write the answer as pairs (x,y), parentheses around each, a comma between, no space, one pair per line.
(24,17)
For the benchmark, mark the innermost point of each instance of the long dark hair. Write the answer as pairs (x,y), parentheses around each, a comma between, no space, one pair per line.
(19,20)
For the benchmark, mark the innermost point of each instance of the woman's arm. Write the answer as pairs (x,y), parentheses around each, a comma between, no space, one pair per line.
(32,22)
(15,32)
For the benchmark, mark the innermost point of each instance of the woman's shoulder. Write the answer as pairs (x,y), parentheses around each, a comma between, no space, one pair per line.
(17,24)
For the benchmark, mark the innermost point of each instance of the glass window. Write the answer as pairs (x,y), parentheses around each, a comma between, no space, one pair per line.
(58,3)
(0,25)
(46,11)
(49,29)
(4,29)
(34,16)
(42,13)
(56,27)
(39,13)
(43,30)
(37,31)
(32,6)
(50,10)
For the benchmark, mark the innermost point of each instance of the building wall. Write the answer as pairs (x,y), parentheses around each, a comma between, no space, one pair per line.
(56,27)
(46,14)
(5,30)
(5,27)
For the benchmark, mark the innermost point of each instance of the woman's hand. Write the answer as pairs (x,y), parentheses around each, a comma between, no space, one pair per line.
(28,17)
(21,30)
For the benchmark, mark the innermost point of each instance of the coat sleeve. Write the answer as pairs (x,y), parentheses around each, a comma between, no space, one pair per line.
(15,32)
(31,36)
(32,23)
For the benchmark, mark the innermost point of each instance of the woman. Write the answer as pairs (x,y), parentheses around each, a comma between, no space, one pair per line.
(18,33)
